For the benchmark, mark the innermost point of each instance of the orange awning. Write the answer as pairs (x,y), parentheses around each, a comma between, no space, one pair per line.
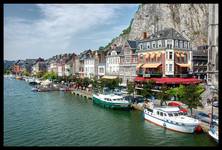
(139,65)
(177,54)
(151,65)
(152,55)
(183,65)
(147,55)
(182,55)
(158,54)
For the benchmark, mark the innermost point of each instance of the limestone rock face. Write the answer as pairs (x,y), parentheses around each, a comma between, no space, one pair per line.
(189,19)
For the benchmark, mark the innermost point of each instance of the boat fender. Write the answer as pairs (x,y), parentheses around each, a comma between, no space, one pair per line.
(164,124)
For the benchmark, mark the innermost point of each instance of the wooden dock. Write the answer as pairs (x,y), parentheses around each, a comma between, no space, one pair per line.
(82,94)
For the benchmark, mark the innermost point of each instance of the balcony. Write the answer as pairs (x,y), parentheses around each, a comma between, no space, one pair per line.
(183,75)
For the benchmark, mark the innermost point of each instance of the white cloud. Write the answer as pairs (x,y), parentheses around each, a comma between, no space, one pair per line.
(58,26)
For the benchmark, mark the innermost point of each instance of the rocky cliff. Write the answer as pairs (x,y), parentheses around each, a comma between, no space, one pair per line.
(189,19)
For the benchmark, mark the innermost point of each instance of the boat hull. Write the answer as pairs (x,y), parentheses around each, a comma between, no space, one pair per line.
(170,125)
(213,136)
(110,105)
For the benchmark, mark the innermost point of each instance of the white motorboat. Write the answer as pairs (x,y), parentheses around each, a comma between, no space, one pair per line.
(170,118)
(213,132)
(111,101)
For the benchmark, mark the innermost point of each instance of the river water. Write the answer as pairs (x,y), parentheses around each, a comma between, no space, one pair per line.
(62,119)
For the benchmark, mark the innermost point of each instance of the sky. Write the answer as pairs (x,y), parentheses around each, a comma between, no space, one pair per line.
(46,30)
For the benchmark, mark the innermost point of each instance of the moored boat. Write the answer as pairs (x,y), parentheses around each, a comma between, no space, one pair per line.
(170,118)
(213,132)
(111,101)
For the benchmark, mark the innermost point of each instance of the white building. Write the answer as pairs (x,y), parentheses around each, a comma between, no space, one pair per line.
(101,69)
(113,61)
(89,67)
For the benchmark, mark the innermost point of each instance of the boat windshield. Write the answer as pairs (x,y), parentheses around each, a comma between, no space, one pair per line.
(176,114)
(170,114)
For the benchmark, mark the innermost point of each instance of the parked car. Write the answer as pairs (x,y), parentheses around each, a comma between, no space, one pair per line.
(129,98)
(215,104)
(139,99)
(181,106)
(205,117)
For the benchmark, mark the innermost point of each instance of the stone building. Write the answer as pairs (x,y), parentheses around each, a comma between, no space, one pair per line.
(113,61)
(128,61)
(165,53)
(212,67)
(200,55)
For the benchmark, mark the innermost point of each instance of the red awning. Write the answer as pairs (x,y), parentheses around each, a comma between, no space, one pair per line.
(167,80)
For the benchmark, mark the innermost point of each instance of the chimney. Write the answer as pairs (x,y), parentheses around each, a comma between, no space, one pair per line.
(144,35)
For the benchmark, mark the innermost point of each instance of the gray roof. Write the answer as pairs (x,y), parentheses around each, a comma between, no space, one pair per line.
(168,33)
(118,49)
(132,44)
(200,53)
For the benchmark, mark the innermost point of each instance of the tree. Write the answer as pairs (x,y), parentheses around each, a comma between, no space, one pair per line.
(40,74)
(191,96)
(50,75)
(163,96)
(86,82)
(177,91)
(146,91)
(130,88)
(95,85)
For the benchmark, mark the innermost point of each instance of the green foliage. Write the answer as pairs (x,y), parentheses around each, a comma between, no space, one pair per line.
(190,95)
(177,91)
(86,82)
(146,91)
(7,71)
(40,74)
(50,75)
(110,83)
(101,48)
(130,88)
(163,96)
(26,73)
(95,85)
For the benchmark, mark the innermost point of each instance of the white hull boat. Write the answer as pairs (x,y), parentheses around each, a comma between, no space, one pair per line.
(171,118)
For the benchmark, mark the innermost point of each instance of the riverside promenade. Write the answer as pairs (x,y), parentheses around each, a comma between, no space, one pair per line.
(82,93)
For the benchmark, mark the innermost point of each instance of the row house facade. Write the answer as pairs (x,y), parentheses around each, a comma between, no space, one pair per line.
(39,66)
(18,67)
(101,61)
(81,59)
(128,61)
(200,55)
(165,53)
(113,61)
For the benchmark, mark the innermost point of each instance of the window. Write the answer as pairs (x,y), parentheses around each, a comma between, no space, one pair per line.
(170,114)
(158,112)
(159,43)
(170,55)
(153,45)
(166,67)
(185,58)
(176,43)
(181,44)
(141,47)
(163,43)
(185,45)
(148,45)
(165,114)
(161,113)
(169,44)
(170,67)
(166,55)
(144,46)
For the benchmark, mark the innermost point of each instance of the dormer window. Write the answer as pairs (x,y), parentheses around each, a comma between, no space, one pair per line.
(113,53)
(148,45)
